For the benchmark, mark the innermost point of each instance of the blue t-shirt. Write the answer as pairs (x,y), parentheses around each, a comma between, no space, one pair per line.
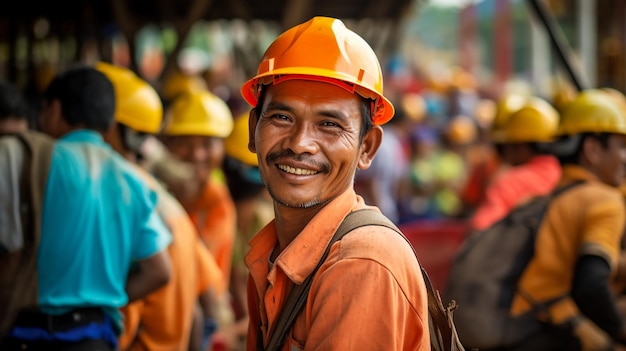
(98,218)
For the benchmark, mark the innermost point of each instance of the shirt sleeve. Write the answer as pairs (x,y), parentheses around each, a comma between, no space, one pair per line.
(603,230)
(153,235)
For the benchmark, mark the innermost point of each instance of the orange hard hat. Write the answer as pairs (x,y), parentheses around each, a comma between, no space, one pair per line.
(323,49)
(414,106)
(461,130)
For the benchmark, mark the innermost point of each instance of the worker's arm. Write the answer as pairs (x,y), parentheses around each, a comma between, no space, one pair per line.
(152,264)
(151,273)
(595,299)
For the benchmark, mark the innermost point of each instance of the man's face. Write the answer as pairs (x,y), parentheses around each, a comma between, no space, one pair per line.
(307,140)
(203,152)
(612,160)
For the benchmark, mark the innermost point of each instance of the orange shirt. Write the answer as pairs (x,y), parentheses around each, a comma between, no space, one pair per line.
(368,295)
(162,320)
(516,186)
(214,216)
(586,220)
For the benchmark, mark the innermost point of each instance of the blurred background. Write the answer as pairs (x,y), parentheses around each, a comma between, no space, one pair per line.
(447,63)
(420,42)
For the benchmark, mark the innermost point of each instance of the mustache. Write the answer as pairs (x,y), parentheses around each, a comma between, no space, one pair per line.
(273,157)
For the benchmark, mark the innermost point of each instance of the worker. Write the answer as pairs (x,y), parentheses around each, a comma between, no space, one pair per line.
(318,109)
(578,242)
(487,164)
(194,134)
(254,210)
(98,221)
(522,141)
(163,319)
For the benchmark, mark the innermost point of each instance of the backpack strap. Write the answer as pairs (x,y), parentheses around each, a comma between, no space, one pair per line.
(543,308)
(37,160)
(299,293)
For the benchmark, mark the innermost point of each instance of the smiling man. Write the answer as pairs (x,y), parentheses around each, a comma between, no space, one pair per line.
(318,107)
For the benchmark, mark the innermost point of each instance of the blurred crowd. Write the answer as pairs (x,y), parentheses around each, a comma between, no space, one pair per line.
(446,154)
(188,147)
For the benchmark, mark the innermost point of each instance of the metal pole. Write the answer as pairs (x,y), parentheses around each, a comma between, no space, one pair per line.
(558,41)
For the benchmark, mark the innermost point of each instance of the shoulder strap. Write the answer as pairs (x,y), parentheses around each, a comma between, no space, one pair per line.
(299,293)
(39,150)
(560,190)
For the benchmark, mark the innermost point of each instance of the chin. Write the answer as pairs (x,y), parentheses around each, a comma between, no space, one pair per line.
(296,203)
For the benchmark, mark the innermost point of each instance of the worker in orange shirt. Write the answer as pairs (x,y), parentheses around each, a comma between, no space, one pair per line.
(194,133)
(318,109)
(254,210)
(163,319)
(522,141)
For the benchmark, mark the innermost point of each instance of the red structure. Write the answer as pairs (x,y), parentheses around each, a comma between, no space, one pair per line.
(436,243)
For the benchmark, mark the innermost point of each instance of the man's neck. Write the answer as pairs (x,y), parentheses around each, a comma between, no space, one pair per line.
(290,222)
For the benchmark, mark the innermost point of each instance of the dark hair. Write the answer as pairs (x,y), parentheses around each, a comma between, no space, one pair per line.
(366,111)
(86,95)
(12,102)
(573,158)
(244,181)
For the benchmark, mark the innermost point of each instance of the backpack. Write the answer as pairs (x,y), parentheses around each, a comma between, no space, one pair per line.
(443,336)
(484,275)
(18,278)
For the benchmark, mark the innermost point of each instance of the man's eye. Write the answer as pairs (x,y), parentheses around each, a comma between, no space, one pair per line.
(329,124)
(280,116)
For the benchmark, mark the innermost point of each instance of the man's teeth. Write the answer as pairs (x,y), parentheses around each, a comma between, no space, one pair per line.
(298,171)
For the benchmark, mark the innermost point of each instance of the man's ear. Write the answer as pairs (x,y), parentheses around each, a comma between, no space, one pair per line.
(591,151)
(52,123)
(252,121)
(369,147)
(111,135)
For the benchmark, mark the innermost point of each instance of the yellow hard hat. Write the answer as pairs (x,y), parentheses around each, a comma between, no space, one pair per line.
(137,104)
(592,111)
(199,113)
(178,84)
(504,108)
(236,144)
(617,97)
(323,49)
(563,96)
(537,121)
(461,130)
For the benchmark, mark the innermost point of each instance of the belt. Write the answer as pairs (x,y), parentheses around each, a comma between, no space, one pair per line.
(33,318)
